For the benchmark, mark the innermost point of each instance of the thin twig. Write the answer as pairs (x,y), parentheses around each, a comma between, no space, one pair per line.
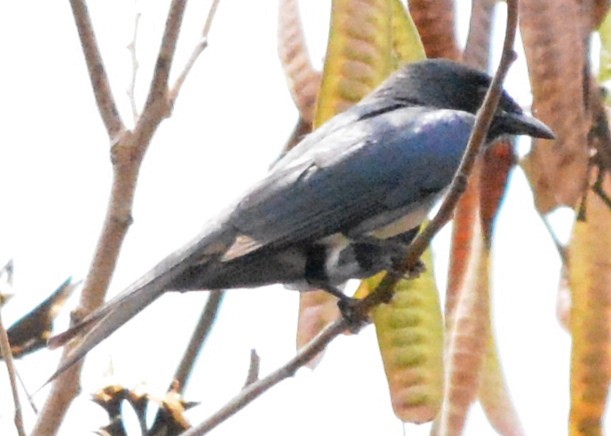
(562,252)
(200,334)
(97,71)
(27,393)
(131,90)
(197,50)
(598,189)
(253,368)
(254,390)
(7,355)
(210,18)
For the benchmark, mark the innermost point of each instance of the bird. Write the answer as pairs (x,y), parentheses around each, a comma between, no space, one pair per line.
(343,204)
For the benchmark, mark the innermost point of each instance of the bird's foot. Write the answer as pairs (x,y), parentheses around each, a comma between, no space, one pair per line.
(415,271)
(412,273)
(349,308)
(352,311)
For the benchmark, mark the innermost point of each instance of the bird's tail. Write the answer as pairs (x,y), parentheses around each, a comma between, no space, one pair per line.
(100,324)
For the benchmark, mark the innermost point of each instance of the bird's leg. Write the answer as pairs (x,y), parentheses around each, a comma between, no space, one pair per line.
(391,250)
(352,313)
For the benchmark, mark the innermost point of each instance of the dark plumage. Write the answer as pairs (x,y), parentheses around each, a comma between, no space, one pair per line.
(344,203)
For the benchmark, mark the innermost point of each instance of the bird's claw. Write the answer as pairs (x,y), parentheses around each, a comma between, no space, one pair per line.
(415,271)
(352,312)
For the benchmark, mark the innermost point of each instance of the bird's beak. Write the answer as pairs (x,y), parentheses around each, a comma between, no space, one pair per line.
(522,124)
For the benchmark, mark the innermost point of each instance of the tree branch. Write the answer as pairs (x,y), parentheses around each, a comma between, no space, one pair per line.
(197,50)
(131,89)
(159,83)
(253,368)
(7,355)
(202,330)
(127,151)
(97,71)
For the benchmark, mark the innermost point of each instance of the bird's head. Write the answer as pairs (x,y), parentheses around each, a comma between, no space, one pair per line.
(446,84)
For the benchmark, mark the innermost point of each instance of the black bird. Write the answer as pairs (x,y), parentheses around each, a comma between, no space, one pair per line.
(344,203)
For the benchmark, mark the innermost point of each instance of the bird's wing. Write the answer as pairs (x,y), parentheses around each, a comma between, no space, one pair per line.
(380,162)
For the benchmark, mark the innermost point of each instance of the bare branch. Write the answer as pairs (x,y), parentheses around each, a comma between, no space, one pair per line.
(27,393)
(127,152)
(97,71)
(197,50)
(7,355)
(562,250)
(253,368)
(131,90)
(200,334)
(159,85)
(254,390)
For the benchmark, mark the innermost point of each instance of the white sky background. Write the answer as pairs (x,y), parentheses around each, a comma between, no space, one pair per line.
(229,123)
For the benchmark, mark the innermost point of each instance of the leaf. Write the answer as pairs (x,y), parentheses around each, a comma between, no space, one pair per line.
(498,159)
(406,43)
(604,72)
(554,38)
(410,337)
(317,309)
(468,320)
(110,398)
(563,299)
(480,200)
(543,192)
(435,23)
(303,79)
(31,332)
(463,228)
(596,11)
(170,418)
(494,395)
(358,54)
(590,282)
(477,48)
(467,342)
